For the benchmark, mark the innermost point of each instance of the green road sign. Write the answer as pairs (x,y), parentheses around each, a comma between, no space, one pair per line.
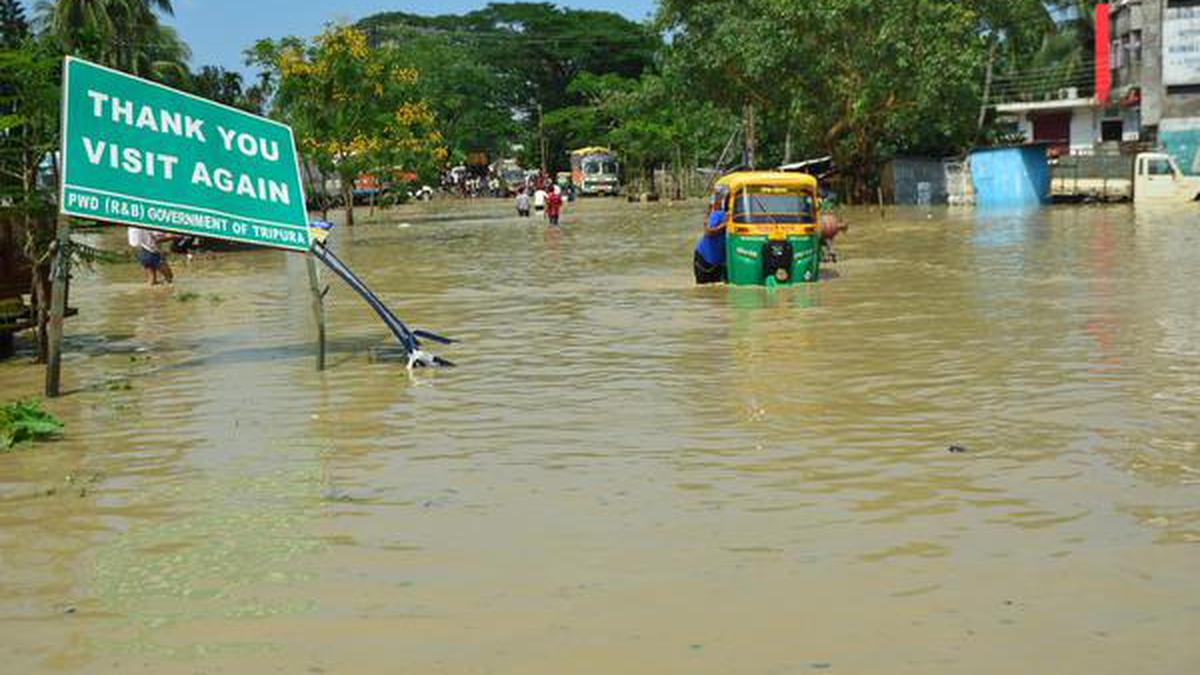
(142,154)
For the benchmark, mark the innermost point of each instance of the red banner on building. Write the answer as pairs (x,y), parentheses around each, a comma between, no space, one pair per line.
(1103,66)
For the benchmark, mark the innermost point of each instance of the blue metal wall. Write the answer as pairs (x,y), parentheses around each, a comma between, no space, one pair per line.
(1011,176)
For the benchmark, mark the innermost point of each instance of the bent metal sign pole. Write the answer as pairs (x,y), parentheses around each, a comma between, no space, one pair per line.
(142,154)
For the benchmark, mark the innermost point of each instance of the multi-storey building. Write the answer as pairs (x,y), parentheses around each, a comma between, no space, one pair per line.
(1154,60)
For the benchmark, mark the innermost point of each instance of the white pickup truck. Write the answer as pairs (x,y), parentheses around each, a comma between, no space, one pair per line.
(1156,179)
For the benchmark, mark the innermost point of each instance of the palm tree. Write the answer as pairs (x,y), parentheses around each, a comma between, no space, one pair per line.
(13,26)
(160,54)
(123,34)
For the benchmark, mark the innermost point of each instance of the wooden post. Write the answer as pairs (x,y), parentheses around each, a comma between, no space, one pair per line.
(58,306)
(542,139)
(318,304)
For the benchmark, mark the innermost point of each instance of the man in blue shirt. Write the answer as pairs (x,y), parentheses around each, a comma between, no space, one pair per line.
(709,261)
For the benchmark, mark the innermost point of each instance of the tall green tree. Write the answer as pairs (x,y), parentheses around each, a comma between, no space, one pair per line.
(905,81)
(354,108)
(29,115)
(465,93)
(225,86)
(863,80)
(741,56)
(536,51)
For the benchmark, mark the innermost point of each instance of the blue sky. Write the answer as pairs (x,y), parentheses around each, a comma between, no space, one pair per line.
(218,30)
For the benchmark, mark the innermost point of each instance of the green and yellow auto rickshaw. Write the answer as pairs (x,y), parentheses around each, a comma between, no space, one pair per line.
(772,231)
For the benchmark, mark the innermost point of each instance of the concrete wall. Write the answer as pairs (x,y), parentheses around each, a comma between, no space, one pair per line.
(1151,78)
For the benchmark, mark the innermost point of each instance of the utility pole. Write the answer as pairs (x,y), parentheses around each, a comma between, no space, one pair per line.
(749,137)
(542,139)
(987,86)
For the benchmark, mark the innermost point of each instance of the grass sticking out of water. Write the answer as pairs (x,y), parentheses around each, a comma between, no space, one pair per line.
(187,296)
(118,384)
(23,421)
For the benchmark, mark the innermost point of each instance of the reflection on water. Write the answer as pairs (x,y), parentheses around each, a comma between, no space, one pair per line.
(628,473)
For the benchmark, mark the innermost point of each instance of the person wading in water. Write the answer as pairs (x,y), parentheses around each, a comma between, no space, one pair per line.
(554,204)
(709,260)
(152,260)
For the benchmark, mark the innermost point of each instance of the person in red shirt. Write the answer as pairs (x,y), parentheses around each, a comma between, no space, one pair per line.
(554,203)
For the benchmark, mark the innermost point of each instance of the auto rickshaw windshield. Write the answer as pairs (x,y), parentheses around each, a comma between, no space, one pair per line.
(774,205)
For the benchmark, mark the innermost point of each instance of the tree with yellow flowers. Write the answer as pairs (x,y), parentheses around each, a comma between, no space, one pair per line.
(354,108)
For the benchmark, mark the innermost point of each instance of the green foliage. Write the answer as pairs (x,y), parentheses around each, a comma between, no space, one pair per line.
(224,86)
(1057,58)
(863,80)
(26,421)
(520,61)
(903,82)
(122,34)
(354,108)
(651,120)
(465,93)
(14,27)
(29,114)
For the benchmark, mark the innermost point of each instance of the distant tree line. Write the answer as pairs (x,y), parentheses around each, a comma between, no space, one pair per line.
(704,83)
(861,80)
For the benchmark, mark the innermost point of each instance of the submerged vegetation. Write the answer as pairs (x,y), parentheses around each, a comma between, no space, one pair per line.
(26,421)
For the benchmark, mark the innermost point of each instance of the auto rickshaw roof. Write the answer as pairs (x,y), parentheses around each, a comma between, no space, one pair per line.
(741,179)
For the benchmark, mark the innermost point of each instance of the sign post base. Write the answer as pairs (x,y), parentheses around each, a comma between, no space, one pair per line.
(60,272)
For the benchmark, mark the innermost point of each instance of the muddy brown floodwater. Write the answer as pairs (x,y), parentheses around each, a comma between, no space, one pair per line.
(627,474)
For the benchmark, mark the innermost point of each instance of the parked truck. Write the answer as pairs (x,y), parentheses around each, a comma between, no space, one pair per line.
(1156,179)
(594,171)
